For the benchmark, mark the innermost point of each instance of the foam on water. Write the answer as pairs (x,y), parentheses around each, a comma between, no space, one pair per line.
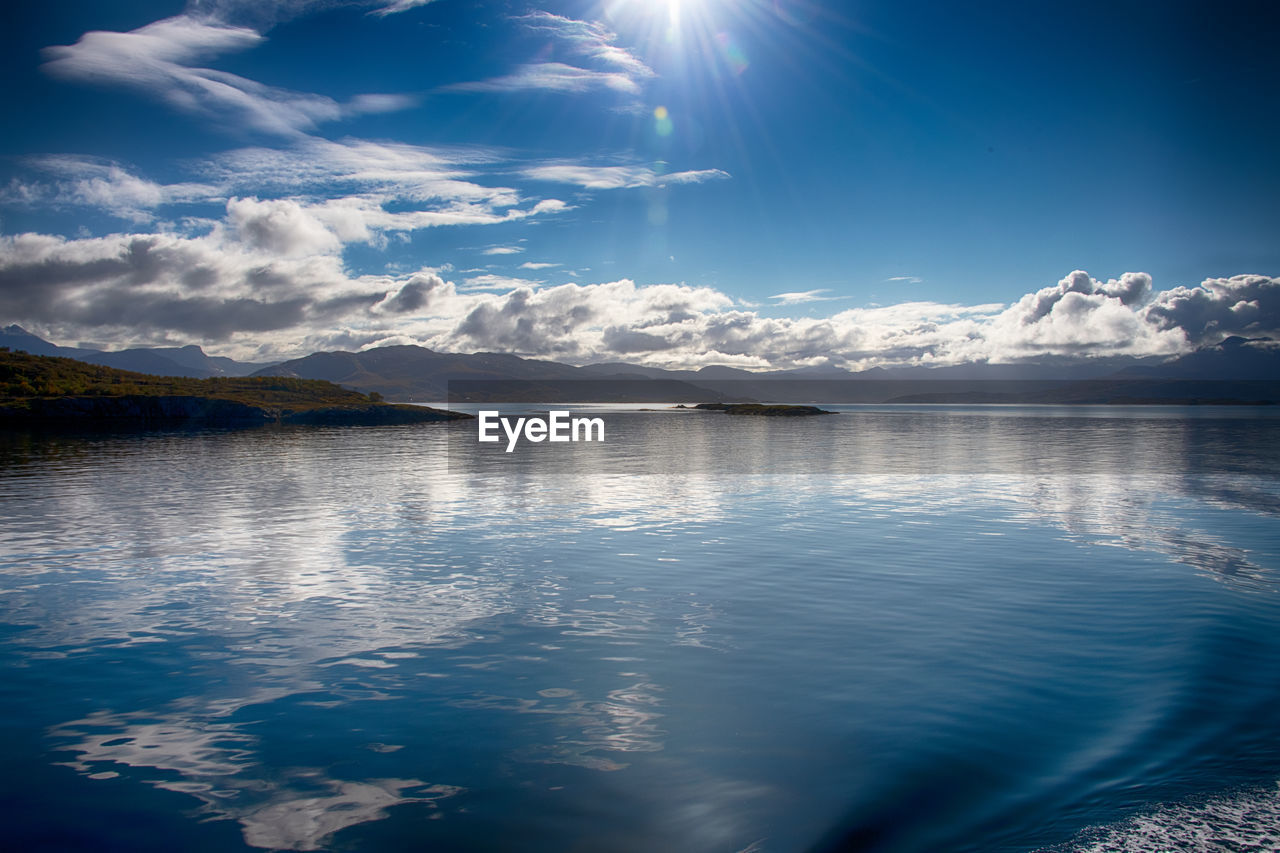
(1241,822)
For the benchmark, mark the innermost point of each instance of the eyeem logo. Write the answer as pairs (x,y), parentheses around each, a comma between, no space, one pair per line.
(557,426)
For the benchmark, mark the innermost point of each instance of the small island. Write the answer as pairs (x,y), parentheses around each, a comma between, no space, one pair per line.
(49,391)
(769,410)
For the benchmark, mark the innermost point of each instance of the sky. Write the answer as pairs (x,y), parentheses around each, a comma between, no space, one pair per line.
(762,183)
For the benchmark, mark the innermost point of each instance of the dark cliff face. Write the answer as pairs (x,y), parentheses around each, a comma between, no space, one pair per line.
(147,410)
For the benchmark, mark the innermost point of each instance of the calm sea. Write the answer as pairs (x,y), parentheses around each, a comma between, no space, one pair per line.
(893,629)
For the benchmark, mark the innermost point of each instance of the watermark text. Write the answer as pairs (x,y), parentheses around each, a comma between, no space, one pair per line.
(557,426)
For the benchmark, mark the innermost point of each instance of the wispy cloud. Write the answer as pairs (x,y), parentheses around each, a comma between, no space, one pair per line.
(552,77)
(67,181)
(402,170)
(909,279)
(617,177)
(264,14)
(490,281)
(803,296)
(588,39)
(159,60)
(359,190)
(537,265)
(613,68)
(353,185)
(399,6)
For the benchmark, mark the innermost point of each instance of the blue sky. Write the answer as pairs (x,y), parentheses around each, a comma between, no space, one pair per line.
(778,183)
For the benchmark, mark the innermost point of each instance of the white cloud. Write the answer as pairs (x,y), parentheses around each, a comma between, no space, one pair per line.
(1242,304)
(159,60)
(503,250)
(909,279)
(74,181)
(618,70)
(616,177)
(800,297)
(491,281)
(1082,316)
(589,39)
(268,280)
(399,6)
(379,103)
(537,265)
(395,170)
(355,191)
(283,228)
(552,77)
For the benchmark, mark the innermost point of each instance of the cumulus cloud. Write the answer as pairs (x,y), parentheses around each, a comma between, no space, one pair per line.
(416,294)
(155,284)
(1242,304)
(1082,316)
(159,60)
(282,228)
(268,280)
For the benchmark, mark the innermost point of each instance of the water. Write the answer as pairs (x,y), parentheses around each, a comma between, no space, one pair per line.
(896,629)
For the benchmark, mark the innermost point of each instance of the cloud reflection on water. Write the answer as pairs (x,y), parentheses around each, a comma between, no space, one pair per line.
(332,567)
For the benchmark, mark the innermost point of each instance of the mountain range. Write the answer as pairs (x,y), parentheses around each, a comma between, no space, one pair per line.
(1234,370)
(189,361)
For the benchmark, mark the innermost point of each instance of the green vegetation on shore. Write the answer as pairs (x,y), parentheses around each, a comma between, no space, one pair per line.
(34,387)
(23,376)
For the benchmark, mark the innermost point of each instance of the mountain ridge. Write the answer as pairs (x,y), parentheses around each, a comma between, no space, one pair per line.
(189,361)
(410,372)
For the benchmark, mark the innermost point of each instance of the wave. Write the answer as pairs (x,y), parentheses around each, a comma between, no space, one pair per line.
(1242,822)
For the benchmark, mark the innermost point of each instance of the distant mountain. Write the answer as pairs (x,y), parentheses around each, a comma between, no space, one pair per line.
(1236,370)
(1235,358)
(420,374)
(415,373)
(1048,369)
(17,338)
(189,361)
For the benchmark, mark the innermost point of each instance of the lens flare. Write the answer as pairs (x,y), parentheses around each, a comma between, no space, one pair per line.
(662,122)
(732,53)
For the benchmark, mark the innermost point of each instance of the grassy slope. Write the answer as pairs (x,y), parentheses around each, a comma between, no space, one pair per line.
(27,377)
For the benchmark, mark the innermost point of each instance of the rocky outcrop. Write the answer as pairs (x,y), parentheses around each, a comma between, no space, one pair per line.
(769,410)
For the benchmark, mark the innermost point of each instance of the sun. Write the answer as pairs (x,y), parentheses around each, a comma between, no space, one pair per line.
(655,19)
